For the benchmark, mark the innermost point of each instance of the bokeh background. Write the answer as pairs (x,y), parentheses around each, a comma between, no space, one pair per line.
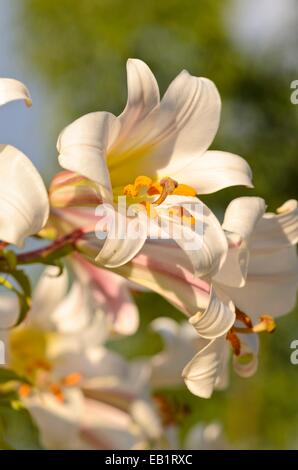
(72,56)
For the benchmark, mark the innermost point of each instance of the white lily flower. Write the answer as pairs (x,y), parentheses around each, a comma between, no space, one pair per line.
(154,149)
(260,276)
(24,206)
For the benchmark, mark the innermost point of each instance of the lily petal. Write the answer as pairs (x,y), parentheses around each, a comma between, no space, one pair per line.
(164,268)
(11,90)
(24,205)
(215,170)
(58,422)
(240,220)
(143,96)
(206,243)
(83,144)
(246,364)
(271,283)
(112,293)
(9,313)
(180,342)
(242,215)
(177,131)
(272,279)
(201,373)
(215,320)
(48,294)
(73,314)
(234,269)
(123,241)
(281,229)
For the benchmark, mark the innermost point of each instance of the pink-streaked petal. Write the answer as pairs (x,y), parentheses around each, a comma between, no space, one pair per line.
(112,293)
(164,268)
(69,189)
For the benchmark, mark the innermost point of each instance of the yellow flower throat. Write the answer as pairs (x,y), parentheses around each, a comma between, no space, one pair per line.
(144,188)
(29,357)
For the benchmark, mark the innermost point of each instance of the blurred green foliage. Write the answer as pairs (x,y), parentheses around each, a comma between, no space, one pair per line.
(17,430)
(79,48)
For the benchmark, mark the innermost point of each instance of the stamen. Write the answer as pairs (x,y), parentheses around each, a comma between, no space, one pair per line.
(144,186)
(143,182)
(243,317)
(24,390)
(234,340)
(57,392)
(266,324)
(71,379)
(130,190)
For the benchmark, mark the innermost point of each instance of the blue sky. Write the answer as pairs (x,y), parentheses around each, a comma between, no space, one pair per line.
(22,127)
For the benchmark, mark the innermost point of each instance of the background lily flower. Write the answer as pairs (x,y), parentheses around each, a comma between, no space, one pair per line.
(24,206)
(82,395)
(260,276)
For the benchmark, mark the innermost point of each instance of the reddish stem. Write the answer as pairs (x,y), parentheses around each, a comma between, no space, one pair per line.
(30,256)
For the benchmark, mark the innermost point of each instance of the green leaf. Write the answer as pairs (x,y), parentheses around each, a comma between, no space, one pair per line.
(11,259)
(23,295)
(17,429)
(8,375)
(54,262)
(22,279)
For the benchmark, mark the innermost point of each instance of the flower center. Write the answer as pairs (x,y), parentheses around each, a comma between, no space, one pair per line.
(29,357)
(145,189)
